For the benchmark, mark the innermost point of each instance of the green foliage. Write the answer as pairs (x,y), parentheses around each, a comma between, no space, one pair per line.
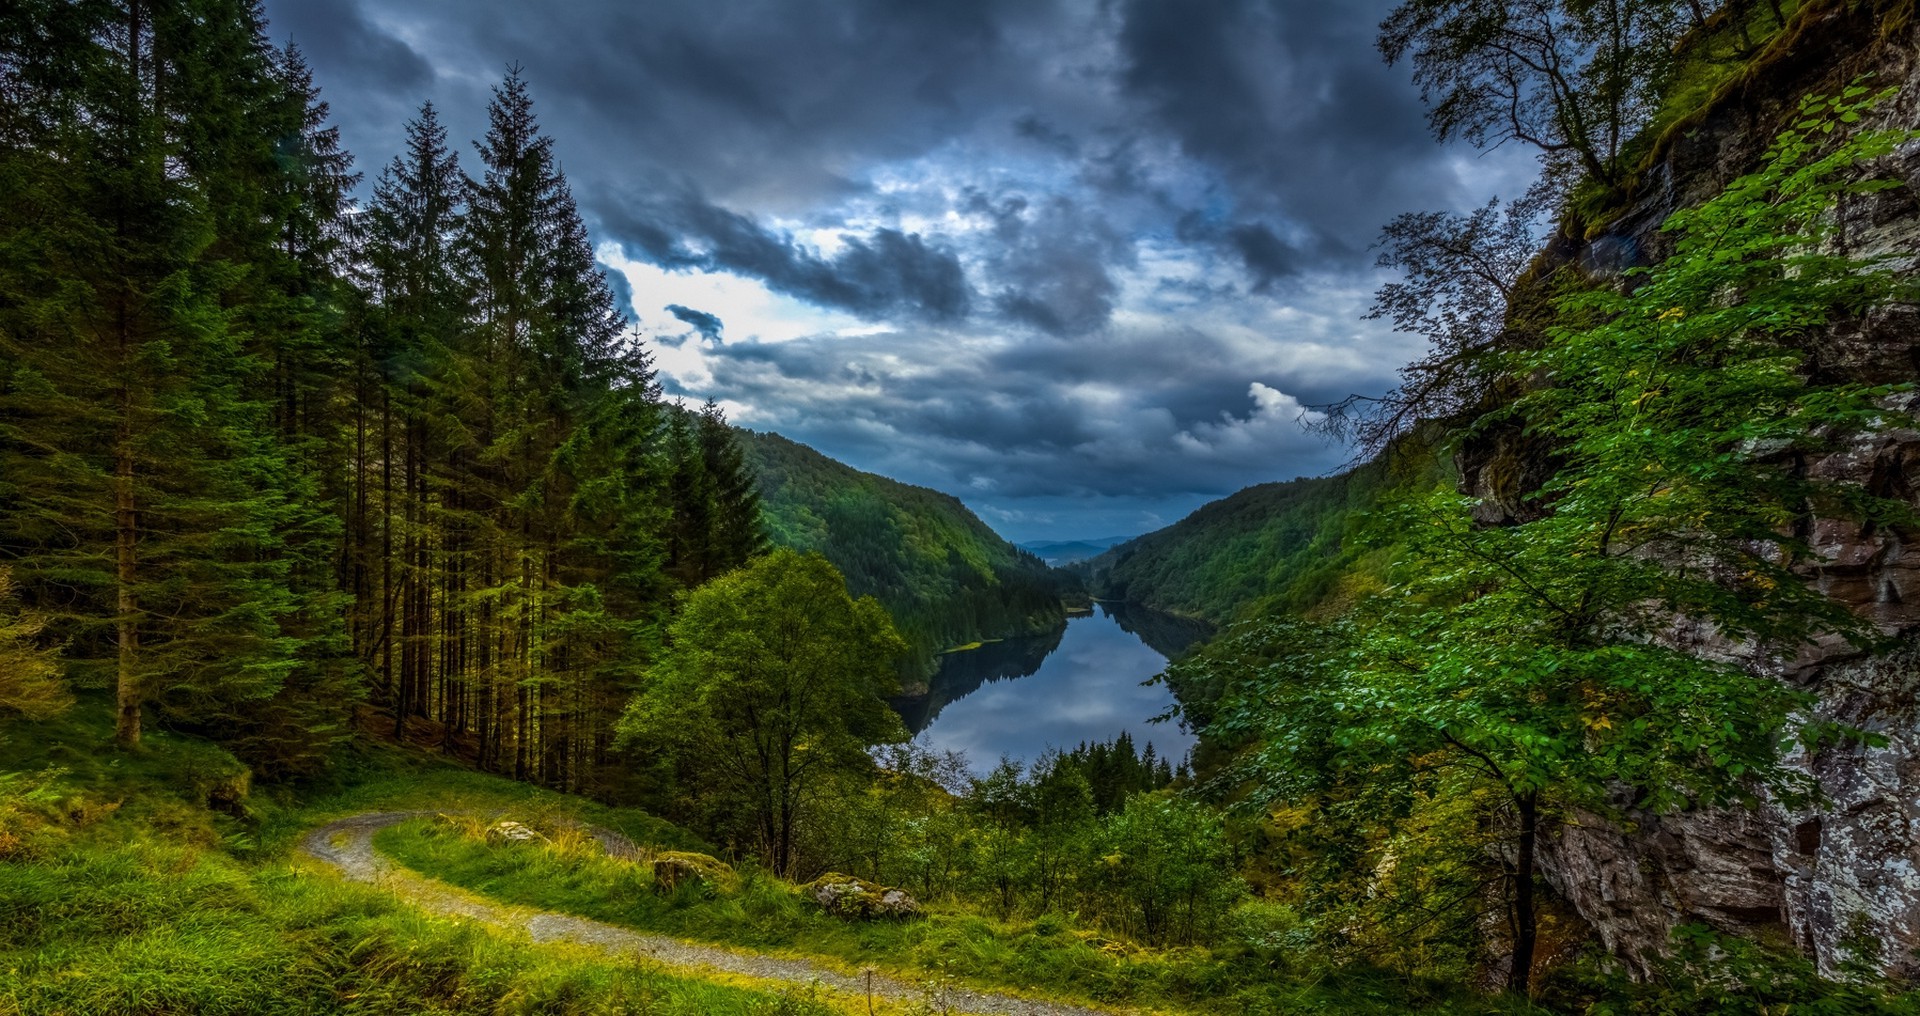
(133,927)
(1544,664)
(773,678)
(1712,974)
(1054,953)
(1165,863)
(1148,866)
(159,505)
(30,678)
(946,577)
(716,524)
(160,900)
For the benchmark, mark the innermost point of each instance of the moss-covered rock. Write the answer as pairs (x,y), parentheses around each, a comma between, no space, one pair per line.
(675,868)
(858,899)
(507,831)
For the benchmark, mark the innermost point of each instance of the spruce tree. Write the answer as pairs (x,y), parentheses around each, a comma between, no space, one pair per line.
(738,534)
(553,370)
(145,507)
(409,538)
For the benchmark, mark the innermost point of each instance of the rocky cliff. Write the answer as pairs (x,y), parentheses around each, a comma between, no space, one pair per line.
(1846,877)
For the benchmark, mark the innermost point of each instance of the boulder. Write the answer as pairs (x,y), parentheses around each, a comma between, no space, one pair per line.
(858,899)
(506,831)
(675,868)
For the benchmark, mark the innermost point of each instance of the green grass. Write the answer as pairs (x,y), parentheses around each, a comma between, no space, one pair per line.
(1047,957)
(138,926)
(123,893)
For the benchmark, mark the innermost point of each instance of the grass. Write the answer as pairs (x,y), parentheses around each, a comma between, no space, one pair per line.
(141,926)
(1046,957)
(152,882)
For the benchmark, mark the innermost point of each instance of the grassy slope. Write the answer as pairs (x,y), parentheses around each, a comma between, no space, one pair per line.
(146,883)
(125,893)
(946,577)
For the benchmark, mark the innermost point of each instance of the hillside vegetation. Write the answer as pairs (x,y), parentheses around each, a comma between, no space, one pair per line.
(1276,546)
(945,576)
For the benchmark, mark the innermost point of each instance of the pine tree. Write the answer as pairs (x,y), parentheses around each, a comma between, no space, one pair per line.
(738,533)
(716,525)
(553,368)
(145,509)
(409,536)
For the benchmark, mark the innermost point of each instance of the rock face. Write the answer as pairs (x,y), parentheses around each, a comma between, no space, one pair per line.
(1825,880)
(859,899)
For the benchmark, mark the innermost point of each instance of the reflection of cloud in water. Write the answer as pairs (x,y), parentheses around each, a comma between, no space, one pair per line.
(1088,689)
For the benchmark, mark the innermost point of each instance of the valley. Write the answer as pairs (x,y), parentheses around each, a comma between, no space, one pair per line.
(630,548)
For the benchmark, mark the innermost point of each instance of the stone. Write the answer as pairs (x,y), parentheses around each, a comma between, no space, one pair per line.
(507,831)
(858,899)
(675,868)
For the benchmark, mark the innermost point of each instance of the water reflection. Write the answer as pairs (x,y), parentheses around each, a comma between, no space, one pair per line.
(1082,683)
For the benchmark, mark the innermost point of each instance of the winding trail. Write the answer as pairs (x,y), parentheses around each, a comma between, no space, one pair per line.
(346,845)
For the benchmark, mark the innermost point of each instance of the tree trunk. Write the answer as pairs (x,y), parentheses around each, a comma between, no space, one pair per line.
(1520,976)
(126,531)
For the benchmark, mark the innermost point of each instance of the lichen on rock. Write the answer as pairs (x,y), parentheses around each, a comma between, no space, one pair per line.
(508,831)
(858,899)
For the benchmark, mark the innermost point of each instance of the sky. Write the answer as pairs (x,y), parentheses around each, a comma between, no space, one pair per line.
(1085,264)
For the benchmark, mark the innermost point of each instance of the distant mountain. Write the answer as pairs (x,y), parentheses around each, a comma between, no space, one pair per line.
(1063,552)
(946,577)
(1272,546)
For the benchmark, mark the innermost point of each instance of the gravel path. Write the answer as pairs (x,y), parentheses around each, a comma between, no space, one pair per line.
(347,846)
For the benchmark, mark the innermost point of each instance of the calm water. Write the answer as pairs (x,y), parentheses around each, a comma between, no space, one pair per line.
(1022,696)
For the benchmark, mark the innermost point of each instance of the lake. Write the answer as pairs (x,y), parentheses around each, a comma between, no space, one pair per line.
(1022,696)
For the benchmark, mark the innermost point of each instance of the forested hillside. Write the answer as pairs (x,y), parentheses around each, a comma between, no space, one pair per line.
(1277,546)
(945,576)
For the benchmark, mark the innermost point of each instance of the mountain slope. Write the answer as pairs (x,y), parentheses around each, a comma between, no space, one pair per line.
(1064,552)
(946,577)
(1273,546)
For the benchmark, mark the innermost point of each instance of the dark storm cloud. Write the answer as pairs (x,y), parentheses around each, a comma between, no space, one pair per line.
(380,78)
(622,296)
(1053,260)
(774,105)
(883,274)
(1289,101)
(1008,422)
(707,325)
(1075,222)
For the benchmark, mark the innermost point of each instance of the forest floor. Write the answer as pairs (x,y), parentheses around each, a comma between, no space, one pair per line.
(346,845)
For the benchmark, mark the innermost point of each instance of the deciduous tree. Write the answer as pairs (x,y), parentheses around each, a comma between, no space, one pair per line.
(774,678)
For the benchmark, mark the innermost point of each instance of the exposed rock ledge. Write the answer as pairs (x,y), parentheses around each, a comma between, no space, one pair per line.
(1849,874)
